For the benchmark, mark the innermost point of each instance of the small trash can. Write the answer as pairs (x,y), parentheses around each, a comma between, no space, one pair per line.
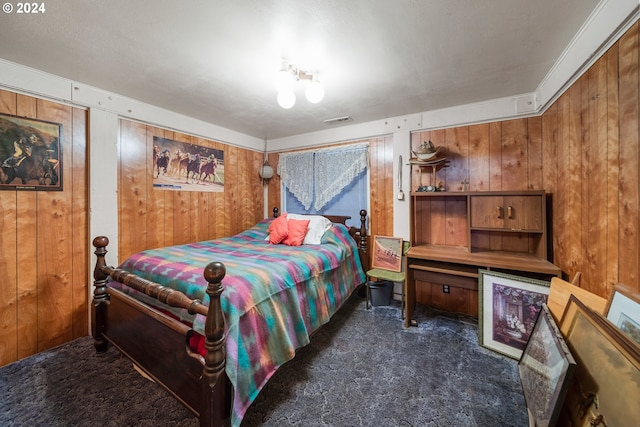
(380,292)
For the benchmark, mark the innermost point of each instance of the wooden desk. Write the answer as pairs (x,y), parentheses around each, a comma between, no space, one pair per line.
(456,266)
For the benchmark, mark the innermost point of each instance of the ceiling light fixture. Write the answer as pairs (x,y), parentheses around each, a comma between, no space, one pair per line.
(285,85)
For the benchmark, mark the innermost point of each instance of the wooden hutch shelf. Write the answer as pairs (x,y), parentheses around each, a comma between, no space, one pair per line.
(454,234)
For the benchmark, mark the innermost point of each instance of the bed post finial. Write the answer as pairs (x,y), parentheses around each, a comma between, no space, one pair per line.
(100,296)
(276,212)
(363,229)
(362,249)
(213,378)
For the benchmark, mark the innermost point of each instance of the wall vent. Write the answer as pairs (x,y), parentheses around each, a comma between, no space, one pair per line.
(338,120)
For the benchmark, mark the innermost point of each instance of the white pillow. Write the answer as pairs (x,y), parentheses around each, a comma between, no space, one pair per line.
(317,226)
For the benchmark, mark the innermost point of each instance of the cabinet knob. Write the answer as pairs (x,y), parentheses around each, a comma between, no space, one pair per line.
(498,211)
(509,212)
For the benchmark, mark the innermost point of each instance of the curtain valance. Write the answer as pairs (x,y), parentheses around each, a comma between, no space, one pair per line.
(293,168)
(318,176)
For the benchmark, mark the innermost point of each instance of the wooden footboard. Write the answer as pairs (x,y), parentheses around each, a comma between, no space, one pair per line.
(159,344)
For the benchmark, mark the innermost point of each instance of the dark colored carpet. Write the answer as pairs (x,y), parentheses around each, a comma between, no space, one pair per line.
(362,369)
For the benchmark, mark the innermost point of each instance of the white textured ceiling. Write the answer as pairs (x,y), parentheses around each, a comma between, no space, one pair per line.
(216,60)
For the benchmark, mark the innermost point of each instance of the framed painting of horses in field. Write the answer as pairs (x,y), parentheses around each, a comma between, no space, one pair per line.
(182,166)
(30,154)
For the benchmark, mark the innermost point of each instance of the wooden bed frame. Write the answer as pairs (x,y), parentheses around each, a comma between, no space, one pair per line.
(159,344)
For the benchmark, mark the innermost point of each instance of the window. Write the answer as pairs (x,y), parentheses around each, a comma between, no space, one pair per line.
(331,181)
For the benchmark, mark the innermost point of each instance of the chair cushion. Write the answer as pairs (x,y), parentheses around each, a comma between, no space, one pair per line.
(393,276)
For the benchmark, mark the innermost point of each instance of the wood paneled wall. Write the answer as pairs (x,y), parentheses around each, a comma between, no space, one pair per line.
(150,218)
(591,144)
(44,244)
(382,191)
(583,151)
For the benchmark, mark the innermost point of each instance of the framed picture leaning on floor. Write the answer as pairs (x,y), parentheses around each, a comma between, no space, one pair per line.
(508,308)
(545,370)
(606,382)
(623,310)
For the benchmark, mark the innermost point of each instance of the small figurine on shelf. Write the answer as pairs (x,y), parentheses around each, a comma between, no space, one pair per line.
(424,188)
(440,187)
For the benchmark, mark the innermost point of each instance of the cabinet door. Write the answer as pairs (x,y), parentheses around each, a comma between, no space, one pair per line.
(523,213)
(507,212)
(487,212)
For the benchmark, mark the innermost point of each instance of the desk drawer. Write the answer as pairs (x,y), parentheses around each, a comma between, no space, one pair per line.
(464,282)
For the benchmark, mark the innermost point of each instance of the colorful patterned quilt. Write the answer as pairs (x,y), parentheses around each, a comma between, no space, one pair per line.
(274,296)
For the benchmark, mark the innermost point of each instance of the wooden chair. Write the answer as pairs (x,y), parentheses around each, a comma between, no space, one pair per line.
(388,263)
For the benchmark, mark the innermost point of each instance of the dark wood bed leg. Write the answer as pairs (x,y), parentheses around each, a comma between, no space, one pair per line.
(215,399)
(100,296)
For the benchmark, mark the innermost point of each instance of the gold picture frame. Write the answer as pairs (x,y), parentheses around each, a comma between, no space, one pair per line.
(606,382)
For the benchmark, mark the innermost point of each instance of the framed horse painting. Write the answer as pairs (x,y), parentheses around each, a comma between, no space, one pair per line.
(181,166)
(30,154)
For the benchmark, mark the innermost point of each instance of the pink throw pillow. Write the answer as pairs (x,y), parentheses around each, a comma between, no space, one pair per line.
(297,231)
(278,230)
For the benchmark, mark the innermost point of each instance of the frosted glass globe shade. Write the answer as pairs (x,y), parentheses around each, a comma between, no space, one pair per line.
(266,172)
(314,92)
(286,99)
